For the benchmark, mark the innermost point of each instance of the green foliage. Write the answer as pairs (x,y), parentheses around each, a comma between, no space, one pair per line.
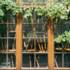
(1,12)
(58,39)
(28,12)
(57,10)
(65,37)
(8,7)
(40,11)
(66,2)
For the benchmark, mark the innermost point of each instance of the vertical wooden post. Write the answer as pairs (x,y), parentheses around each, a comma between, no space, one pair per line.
(18,39)
(50,45)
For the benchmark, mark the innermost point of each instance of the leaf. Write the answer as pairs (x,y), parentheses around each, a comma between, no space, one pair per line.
(9,7)
(57,10)
(40,11)
(58,39)
(28,12)
(1,13)
(65,37)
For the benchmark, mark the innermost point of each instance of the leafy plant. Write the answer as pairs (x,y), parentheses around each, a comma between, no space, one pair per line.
(40,11)
(66,37)
(58,39)
(56,11)
(1,13)
(63,39)
(28,12)
(66,2)
(8,7)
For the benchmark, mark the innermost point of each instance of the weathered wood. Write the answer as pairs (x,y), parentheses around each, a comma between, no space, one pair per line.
(50,45)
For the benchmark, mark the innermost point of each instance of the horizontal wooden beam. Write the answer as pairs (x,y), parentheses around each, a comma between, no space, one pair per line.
(39,68)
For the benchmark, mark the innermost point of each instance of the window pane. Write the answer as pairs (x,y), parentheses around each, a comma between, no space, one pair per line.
(27,1)
(58,60)
(3,30)
(11,27)
(35,1)
(67,60)
(27,30)
(11,60)
(41,60)
(41,1)
(7,60)
(28,60)
(3,62)
(3,43)
(34,44)
(11,43)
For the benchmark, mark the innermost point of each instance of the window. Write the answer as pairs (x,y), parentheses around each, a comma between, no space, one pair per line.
(7,43)
(35,43)
(34,1)
(62,51)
